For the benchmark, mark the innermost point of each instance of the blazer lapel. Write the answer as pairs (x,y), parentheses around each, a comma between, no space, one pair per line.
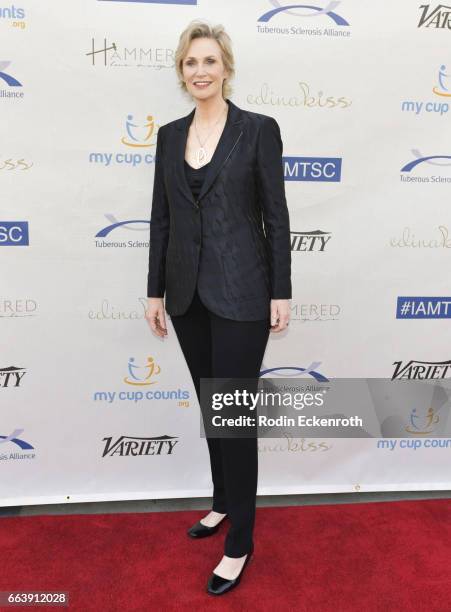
(229,139)
(181,135)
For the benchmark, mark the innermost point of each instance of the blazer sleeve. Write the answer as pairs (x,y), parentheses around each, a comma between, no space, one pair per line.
(271,187)
(159,227)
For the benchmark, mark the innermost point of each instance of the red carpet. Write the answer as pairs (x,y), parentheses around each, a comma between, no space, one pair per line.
(371,557)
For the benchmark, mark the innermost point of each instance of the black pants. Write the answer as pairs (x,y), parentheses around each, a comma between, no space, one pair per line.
(215,347)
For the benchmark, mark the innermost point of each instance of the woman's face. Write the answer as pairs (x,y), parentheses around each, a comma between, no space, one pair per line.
(203,69)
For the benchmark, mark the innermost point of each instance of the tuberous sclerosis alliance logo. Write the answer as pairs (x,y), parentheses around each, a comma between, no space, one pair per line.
(437,161)
(127,225)
(11,81)
(13,439)
(438,17)
(188,2)
(295,372)
(309,12)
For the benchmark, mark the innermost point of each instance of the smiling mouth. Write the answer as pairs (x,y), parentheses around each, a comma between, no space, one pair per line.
(202,83)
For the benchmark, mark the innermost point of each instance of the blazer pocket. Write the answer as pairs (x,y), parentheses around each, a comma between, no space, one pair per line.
(241,282)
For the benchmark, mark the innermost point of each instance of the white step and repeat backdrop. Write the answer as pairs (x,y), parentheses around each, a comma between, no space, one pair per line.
(93,406)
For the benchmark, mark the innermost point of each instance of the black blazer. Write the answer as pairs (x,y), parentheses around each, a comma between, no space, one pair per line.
(218,241)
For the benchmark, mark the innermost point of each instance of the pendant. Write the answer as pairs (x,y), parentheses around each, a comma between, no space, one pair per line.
(201,157)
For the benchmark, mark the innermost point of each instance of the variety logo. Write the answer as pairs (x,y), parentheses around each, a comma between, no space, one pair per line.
(423,307)
(295,372)
(15,442)
(318,169)
(13,14)
(306,313)
(421,370)
(409,240)
(436,161)
(128,225)
(131,446)
(109,312)
(438,17)
(304,98)
(14,308)
(110,55)
(310,241)
(318,15)
(11,376)
(136,136)
(10,80)
(14,233)
(441,89)
(15,164)
(143,374)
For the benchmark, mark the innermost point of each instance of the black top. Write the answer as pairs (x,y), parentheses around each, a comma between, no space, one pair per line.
(195,177)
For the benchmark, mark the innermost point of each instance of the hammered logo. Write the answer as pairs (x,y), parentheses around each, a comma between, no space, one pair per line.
(102,51)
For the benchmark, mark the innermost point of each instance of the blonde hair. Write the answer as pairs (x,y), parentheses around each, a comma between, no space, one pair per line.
(202,29)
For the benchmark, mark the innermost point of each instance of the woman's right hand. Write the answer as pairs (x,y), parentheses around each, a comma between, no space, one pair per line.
(155,316)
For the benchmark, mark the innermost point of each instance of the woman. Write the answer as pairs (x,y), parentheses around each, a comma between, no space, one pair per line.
(225,277)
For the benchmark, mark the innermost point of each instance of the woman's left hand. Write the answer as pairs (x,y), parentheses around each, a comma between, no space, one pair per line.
(280,314)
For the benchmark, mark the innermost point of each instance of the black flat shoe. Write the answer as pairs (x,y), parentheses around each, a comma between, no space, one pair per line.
(217,585)
(199,530)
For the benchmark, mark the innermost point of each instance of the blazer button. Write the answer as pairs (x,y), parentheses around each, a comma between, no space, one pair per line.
(197,240)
